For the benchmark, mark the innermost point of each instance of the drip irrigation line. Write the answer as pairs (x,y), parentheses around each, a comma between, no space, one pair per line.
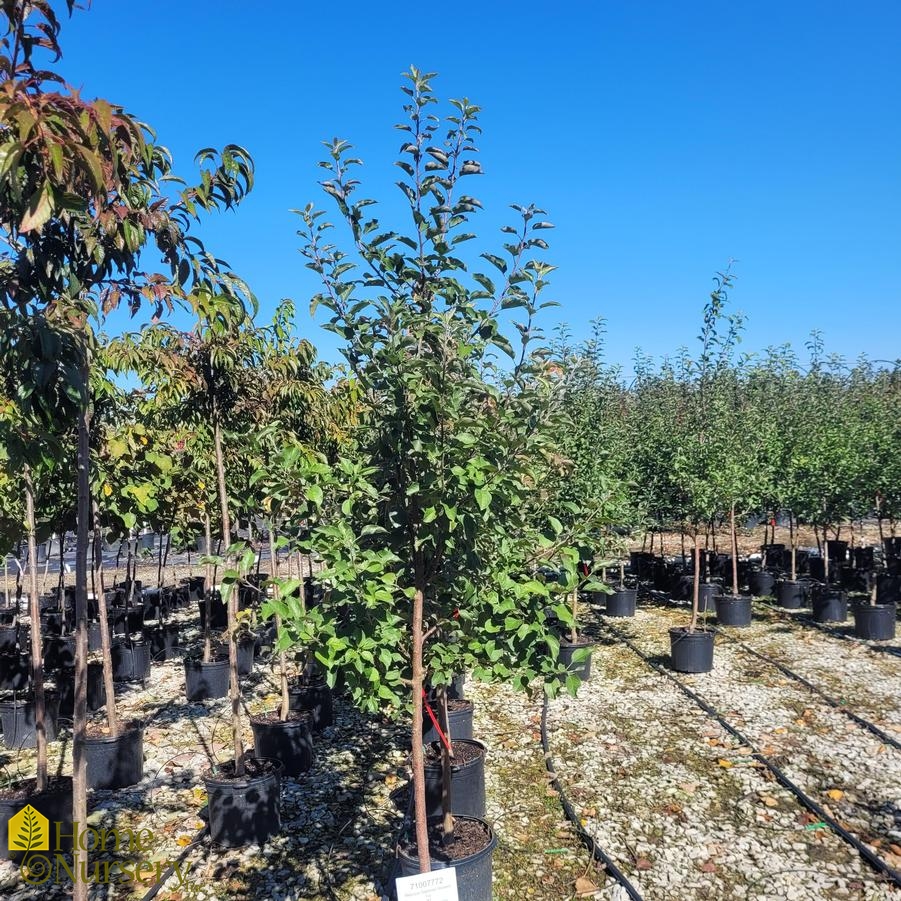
(154,889)
(874,860)
(872,728)
(597,852)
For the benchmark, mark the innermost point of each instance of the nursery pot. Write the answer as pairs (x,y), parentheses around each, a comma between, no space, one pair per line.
(467,778)
(125,620)
(761,583)
(9,637)
(691,652)
(733,610)
(316,699)
(19,727)
(582,667)
(474,870)
(219,618)
(204,681)
(15,673)
(459,720)
(622,602)
(115,762)
(163,640)
(830,606)
(65,684)
(246,646)
(707,592)
(95,642)
(290,742)
(888,589)
(790,595)
(55,803)
(876,622)
(131,662)
(838,550)
(59,653)
(244,811)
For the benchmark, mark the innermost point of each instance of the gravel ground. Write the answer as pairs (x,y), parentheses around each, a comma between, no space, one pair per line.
(339,819)
(686,812)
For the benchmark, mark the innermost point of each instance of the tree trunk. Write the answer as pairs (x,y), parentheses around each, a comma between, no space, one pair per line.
(108,684)
(825,558)
(419,808)
(208,593)
(574,628)
(792,537)
(285,706)
(234,688)
(695,598)
(37,658)
(734,537)
(447,762)
(80,715)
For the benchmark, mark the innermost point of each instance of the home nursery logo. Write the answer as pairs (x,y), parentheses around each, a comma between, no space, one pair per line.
(30,831)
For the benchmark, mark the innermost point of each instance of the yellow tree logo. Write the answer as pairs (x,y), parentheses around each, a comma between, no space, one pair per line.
(29,830)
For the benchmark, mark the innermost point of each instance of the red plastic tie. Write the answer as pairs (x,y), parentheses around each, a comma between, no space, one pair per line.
(431,713)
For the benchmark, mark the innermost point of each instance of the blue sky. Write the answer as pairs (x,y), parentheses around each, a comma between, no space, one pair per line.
(662,138)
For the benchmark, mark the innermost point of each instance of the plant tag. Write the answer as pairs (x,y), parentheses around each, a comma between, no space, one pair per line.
(439,885)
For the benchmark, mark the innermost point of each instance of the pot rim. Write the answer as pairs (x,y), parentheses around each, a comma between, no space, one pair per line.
(455,767)
(198,662)
(109,739)
(300,719)
(224,782)
(487,850)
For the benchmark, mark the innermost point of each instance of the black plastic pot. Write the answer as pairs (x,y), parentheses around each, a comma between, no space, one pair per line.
(622,602)
(290,742)
(95,642)
(9,638)
(790,595)
(59,653)
(459,716)
(246,648)
(244,811)
(732,610)
(467,782)
(707,593)
(163,640)
(126,620)
(761,583)
(691,652)
(65,685)
(19,727)
(838,550)
(115,762)
(131,662)
(204,681)
(15,673)
(830,606)
(55,803)
(875,622)
(888,588)
(316,699)
(219,617)
(568,651)
(474,873)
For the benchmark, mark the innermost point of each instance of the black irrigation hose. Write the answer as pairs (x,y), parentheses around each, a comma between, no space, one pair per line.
(832,702)
(154,889)
(597,852)
(873,859)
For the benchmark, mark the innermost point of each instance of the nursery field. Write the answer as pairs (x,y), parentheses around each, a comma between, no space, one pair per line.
(681,805)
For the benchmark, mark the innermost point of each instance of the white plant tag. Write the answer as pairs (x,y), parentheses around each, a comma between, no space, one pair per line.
(439,885)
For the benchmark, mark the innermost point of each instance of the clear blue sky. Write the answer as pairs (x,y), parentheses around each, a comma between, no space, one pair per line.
(663,138)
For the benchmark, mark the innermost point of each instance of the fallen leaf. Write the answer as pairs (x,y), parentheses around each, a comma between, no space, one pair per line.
(643,864)
(183,841)
(585,886)
(836,794)
(769,800)
(709,867)
(724,763)
(689,787)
